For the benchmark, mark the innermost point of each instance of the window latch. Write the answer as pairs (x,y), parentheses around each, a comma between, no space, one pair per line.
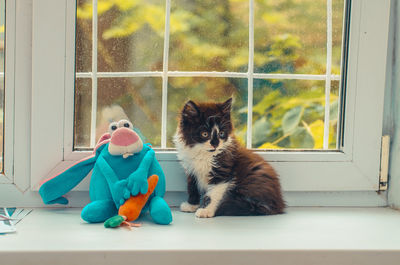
(383,173)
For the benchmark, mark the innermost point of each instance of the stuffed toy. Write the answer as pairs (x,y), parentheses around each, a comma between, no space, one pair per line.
(121,166)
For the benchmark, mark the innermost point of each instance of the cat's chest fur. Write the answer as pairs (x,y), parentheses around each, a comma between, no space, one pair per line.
(196,161)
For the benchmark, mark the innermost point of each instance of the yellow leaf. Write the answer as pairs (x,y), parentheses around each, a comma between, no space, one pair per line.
(317,131)
(180,21)
(154,16)
(274,18)
(103,6)
(85,11)
(124,5)
(269,146)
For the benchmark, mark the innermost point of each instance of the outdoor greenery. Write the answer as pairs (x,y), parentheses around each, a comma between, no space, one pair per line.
(212,35)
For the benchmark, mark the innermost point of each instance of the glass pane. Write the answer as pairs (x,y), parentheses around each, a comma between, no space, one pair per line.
(201,89)
(291,36)
(2,94)
(337,34)
(289,114)
(136,99)
(83,58)
(334,114)
(130,35)
(209,35)
(83,108)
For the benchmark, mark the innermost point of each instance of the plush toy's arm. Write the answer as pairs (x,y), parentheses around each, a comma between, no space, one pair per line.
(157,170)
(119,191)
(137,181)
(53,189)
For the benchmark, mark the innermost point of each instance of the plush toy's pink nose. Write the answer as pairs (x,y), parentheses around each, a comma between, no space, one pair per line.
(124,137)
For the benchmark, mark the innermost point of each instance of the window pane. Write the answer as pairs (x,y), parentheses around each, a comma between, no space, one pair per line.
(337,34)
(83,106)
(130,35)
(136,99)
(289,114)
(334,114)
(83,39)
(201,89)
(291,36)
(209,35)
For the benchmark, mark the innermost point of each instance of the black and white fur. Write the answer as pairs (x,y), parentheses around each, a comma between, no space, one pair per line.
(226,178)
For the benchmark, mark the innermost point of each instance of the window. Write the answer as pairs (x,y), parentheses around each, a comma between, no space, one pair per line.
(280,60)
(7,20)
(350,161)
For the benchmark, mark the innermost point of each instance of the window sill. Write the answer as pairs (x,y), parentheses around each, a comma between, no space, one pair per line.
(304,235)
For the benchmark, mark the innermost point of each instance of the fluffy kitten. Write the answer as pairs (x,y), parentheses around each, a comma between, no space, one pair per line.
(231,179)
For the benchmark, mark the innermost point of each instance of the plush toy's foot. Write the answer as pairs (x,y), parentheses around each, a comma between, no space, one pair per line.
(99,211)
(160,211)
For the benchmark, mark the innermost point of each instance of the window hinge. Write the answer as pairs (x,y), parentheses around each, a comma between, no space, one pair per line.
(383,174)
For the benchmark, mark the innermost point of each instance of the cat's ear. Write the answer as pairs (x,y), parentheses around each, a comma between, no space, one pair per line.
(226,106)
(190,109)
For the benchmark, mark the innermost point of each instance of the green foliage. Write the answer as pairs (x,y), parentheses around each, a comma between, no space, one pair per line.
(291,119)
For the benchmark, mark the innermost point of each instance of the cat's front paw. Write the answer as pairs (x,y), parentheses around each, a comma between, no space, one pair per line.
(189,208)
(205,213)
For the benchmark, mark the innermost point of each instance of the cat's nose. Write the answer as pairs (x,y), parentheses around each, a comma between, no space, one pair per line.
(124,137)
(214,143)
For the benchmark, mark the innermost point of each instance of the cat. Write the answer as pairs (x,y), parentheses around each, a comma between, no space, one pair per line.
(225,177)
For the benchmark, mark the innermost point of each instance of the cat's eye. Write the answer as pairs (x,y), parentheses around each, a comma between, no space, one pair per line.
(222,134)
(204,134)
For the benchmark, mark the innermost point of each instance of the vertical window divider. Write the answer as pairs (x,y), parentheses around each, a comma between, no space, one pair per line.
(94,77)
(250,73)
(328,73)
(164,103)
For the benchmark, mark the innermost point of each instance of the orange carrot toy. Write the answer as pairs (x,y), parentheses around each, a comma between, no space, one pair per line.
(132,207)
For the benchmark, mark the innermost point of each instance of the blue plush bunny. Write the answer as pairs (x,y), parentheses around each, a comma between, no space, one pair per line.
(121,165)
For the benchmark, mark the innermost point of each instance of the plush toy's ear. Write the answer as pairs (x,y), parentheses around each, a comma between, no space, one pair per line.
(105,138)
(52,189)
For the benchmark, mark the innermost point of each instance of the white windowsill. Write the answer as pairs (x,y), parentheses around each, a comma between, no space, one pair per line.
(304,235)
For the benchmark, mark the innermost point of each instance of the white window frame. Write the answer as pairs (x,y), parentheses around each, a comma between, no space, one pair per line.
(8,78)
(15,179)
(354,168)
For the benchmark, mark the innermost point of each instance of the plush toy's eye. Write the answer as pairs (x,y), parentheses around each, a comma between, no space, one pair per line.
(112,127)
(125,123)
(204,134)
